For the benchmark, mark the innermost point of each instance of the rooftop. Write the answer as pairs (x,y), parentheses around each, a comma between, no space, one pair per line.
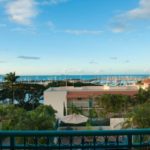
(93,88)
(88,94)
(146,81)
(90,91)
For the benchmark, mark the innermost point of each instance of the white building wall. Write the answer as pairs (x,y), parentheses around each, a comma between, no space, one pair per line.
(116,123)
(56,99)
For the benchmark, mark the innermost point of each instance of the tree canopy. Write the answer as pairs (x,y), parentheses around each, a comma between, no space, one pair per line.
(25,95)
(139,117)
(112,104)
(11,77)
(15,118)
(10,82)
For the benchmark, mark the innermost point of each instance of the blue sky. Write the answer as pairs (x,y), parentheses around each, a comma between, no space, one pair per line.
(75,36)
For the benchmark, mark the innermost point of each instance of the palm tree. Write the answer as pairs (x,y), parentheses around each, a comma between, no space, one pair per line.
(139,117)
(10,81)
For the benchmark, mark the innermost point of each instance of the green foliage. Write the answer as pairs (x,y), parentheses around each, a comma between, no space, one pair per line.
(10,82)
(15,118)
(5,94)
(139,117)
(74,110)
(112,103)
(68,83)
(11,78)
(88,126)
(28,96)
(142,96)
(139,82)
(93,113)
(59,83)
(79,84)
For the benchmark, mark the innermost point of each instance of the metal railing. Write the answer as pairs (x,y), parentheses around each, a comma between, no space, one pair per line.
(91,140)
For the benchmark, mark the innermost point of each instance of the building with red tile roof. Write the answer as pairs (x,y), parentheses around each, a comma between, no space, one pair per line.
(61,96)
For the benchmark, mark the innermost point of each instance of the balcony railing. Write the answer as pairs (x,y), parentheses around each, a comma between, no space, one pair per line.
(93,140)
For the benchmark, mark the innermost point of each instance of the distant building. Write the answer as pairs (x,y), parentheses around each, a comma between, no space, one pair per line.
(61,97)
(65,96)
(144,84)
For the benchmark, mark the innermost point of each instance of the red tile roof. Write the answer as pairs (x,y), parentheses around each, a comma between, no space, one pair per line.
(147,81)
(86,94)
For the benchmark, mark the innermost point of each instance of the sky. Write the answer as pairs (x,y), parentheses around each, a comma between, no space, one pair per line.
(46,37)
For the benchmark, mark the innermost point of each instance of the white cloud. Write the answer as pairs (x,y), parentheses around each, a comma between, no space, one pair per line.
(21,11)
(121,22)
(118,28)
(141,12)
(83,32)
(53,2)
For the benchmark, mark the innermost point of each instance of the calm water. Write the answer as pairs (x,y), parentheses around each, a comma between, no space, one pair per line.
(81,77)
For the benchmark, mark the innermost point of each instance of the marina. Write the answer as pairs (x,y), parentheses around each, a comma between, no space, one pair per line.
(110,80)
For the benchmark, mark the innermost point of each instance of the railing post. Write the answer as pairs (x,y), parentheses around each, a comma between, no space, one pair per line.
(59,142)
(0,143)
(94,142)
(71,141)
(12,143)
(83,142)
(129,141)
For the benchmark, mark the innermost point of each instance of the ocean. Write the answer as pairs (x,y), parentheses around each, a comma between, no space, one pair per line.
(80,77)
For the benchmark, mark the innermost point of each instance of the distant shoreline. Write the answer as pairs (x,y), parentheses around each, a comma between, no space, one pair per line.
(80,77)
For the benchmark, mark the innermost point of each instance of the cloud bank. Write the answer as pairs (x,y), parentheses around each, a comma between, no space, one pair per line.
(141,12)
(121,22)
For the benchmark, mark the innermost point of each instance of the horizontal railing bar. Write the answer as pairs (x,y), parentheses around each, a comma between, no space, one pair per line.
(74,146)
(76,133)
(125,142)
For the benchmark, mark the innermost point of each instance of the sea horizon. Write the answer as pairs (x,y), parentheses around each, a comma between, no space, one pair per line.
(80,77)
